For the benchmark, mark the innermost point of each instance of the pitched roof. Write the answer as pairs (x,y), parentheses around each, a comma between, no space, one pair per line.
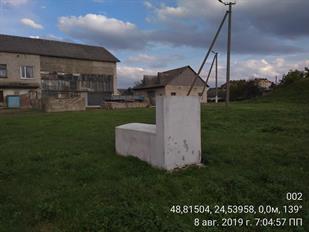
(163,78)
(16,44)
(167,76)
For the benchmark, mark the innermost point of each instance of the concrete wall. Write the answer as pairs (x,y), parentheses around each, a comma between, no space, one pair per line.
(54,64)
(124,105)
(169,89)
(28,98)
(14,61)
(146,94)
(178,129)
(175,140)
(47,64)
(53,104)
(137,139)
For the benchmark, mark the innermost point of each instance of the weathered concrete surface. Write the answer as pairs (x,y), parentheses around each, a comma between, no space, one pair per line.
(124,105)
(53,104)
(14,61)
(175,140)
(136,139)
(179,130)
(52,64)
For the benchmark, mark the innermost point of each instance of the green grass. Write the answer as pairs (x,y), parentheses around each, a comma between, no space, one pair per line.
(59,171)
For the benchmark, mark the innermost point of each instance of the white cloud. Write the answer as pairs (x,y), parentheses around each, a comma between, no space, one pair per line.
(100,29)
(186,8)
(31,23)
(128,75)
(265,68)
(166,11)
(34,37)
(256,68)
(48,37)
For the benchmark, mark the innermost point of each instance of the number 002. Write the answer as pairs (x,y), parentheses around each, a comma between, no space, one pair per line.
(294,196)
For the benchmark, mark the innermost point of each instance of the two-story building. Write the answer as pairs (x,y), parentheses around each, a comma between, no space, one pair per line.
(31,68)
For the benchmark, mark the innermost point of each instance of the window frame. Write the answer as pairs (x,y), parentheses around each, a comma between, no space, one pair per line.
(23,70)
(6,71)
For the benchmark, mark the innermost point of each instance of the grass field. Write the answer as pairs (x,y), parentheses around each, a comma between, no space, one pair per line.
(59,171)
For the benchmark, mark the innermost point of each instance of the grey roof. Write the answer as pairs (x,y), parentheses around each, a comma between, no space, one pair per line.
(16,44)
(163,78)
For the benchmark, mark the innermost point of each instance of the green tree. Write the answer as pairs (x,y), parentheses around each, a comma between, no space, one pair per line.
(293,76)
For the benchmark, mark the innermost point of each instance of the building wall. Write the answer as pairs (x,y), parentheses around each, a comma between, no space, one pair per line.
(54,64)
(183,91)
(266,84)
(53,104)
(179,85)
(150,94)
(14,61)
(169,89)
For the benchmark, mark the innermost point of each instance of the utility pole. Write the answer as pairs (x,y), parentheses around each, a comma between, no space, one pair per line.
(208,52)
(216,74)
(206,82)
(228,54)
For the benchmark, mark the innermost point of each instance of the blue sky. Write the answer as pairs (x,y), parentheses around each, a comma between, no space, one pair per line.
(151,36)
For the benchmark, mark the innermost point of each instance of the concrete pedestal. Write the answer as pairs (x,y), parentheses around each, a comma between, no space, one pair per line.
(175,140)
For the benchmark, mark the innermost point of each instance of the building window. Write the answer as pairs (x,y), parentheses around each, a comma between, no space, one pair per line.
(1,97)
(173,94)
(3,71)
(200,94)
(26,72)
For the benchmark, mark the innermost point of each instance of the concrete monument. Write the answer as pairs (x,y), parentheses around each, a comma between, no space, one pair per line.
(175,140)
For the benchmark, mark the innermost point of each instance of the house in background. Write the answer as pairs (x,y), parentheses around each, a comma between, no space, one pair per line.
(175,82)
(33,68)
(263,83)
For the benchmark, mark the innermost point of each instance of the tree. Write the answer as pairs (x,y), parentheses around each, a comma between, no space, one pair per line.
(293,76)
(244,89)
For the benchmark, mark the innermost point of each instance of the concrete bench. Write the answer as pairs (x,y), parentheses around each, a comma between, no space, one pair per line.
(175,140)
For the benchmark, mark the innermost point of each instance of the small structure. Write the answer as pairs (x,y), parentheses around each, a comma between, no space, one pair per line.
(175,82)
(263,83)
(175,140)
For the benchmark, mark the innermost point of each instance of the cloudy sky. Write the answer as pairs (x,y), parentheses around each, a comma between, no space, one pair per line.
(269,37)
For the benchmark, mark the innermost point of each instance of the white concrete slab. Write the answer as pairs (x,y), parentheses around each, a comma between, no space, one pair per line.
(148,128)
(175,140)
(179,130)
(136,139)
